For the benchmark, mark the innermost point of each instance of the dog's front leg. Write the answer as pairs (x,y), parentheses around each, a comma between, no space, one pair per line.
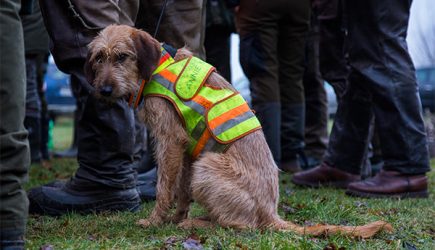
(169,154)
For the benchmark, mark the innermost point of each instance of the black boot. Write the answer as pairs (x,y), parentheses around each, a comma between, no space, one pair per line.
(106,177)
(292,136)
(269,115)
(11,240)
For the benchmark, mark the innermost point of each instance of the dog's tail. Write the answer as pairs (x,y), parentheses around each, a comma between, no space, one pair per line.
(365,231)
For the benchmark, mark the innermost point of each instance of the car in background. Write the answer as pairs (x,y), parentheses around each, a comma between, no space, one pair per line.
(58,91)
(426,85)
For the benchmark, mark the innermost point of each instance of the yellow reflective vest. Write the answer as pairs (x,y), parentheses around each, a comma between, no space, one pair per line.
(212,117)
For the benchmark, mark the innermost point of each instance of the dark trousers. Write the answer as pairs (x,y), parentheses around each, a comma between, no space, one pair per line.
(108,135)
(316,103)
(217,47)
(14,147)
(381,84)
(272,40)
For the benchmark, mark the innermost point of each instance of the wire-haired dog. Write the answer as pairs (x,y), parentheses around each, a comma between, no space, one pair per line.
(238,187)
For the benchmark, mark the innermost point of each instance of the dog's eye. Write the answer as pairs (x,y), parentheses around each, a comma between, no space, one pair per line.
(122,57)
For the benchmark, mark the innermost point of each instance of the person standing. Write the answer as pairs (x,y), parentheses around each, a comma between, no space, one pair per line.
(14,145)
(382,84)
(272,40)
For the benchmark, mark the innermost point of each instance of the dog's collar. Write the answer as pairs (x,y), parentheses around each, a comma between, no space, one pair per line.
(165,60)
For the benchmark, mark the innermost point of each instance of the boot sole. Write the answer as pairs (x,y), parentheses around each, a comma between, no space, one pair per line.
(420,194)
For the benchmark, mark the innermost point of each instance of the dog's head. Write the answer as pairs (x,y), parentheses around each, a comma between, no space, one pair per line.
(118,57)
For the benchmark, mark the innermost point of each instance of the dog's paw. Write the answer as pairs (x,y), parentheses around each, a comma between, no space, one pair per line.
(143,223)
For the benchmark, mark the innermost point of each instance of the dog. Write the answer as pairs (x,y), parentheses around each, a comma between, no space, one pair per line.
(238,187)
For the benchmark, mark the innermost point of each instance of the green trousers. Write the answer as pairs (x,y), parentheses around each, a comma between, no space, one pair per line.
(14,146)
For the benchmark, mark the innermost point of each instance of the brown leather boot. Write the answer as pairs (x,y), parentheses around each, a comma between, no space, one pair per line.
(324,175)
(390,184)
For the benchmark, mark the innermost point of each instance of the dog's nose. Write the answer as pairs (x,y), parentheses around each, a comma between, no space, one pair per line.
(106,90)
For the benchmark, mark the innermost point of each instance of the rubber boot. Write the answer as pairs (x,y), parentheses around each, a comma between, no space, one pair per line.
(269,115)
(107,156)
(292,136)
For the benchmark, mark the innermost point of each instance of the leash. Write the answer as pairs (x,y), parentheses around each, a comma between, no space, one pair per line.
(160,18)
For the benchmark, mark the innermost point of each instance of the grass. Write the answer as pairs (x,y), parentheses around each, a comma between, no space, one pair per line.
(412,219)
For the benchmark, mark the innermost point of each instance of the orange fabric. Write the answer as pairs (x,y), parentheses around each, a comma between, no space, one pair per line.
(164,58)
(202,101)
(228,115)
(168,75)
(201,143)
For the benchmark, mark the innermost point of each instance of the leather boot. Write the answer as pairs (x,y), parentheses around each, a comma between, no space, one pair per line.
(390,184)
(324,175)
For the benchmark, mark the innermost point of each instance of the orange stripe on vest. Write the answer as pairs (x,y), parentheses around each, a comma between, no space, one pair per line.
(228,115)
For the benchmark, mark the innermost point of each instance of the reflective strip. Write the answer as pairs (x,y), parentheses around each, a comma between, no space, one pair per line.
(197,107)
(198,130)
(164,82)
(201,143)
(228,115)
(225,105)
(233,122)
(168,75)
(240,129)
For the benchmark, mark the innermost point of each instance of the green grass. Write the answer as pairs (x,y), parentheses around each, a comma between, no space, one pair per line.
(412,219)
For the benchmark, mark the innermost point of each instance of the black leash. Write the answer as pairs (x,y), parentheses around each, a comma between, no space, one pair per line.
(160,18)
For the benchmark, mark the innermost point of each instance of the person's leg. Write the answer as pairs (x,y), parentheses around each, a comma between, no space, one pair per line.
(259,60)
(32,121)
(380,60)
(183,23)
(316,103)
(293,29)
(217,47)
(108,147)
(14,146)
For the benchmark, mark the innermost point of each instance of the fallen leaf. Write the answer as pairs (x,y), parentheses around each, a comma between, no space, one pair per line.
(192,244)
(241,246)
(47,247)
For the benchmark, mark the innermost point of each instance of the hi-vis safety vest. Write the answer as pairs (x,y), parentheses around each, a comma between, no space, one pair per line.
(213,118)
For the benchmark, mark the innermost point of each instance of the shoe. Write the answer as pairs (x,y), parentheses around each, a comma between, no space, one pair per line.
(324,175)
(390,184)
(17,244)
(145,186)
(81,196)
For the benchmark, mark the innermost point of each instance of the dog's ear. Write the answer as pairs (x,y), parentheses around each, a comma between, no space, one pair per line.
(89,72)
(147,51)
